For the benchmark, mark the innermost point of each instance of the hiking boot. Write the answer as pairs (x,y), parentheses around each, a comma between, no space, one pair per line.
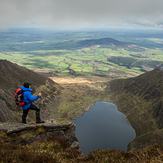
(23,119)
(40,121)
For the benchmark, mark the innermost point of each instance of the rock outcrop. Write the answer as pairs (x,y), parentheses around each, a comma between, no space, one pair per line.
(23,134)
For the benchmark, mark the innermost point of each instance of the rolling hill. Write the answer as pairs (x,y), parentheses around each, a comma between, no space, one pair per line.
(102,41)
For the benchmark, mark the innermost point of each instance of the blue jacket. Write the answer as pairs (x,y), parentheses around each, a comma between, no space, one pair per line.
(28,98)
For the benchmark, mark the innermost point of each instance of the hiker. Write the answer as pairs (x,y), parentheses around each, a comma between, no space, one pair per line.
(28,99)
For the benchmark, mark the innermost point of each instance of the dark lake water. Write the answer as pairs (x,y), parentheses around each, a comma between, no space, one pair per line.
(103,126)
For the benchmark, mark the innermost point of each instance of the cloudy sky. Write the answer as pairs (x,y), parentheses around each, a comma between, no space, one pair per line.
(81,13)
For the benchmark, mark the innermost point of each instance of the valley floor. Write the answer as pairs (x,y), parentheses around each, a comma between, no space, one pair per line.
(78,80)
(79,94)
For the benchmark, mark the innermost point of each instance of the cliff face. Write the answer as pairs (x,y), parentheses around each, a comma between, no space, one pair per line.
(140,99)
(23,134)
(12,77)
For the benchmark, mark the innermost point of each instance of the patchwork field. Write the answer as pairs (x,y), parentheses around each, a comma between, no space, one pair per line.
(111,54)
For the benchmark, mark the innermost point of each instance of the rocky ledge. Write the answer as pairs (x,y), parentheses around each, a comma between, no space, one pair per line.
(23,134)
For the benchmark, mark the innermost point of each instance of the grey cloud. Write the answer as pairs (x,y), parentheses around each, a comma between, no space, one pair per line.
(80,12)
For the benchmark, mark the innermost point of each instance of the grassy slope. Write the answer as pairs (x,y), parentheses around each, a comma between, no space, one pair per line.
(77,98)
(57,150)
(139,98)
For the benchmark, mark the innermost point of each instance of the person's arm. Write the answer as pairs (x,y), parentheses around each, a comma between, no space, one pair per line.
(31,98)
(40,95)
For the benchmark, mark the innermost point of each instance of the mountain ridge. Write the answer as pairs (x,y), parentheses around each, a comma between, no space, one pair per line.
(12,77)
(140,99)
(102,41)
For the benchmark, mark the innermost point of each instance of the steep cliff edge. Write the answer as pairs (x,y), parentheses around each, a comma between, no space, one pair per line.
(12,77)
(55,142)
(140,99)
(25,134)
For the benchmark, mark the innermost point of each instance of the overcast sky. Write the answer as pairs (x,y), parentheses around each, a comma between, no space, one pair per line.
(81,13)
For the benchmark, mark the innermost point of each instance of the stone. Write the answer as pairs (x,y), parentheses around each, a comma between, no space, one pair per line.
(12,128)
(75,145)
(60,130)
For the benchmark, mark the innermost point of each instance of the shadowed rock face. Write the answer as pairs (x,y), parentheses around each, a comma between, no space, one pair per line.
(158,113)
(57,129)
(12,77)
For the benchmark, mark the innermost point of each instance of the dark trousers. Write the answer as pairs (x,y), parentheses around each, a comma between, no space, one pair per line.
(32,107)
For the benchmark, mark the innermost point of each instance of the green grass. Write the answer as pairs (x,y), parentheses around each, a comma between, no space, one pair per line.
(63,65)
(101,68)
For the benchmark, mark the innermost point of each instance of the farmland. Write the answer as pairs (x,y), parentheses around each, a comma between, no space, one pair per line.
(111,54)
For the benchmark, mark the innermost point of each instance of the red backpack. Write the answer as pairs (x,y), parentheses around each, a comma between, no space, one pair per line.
(19,100)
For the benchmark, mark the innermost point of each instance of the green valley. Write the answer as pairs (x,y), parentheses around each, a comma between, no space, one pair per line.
(111,54)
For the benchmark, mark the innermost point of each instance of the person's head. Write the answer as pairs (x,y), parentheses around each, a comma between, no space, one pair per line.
(27,85)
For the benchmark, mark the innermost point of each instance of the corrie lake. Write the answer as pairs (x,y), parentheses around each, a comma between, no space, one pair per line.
(103,126)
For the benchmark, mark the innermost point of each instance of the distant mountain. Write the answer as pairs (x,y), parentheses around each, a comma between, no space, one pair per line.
(12,77)
(102,41)
(141,100)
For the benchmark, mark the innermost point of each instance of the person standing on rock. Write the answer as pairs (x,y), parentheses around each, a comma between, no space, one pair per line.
(28,99)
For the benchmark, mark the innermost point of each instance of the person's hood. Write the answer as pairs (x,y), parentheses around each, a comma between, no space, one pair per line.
(26,89)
